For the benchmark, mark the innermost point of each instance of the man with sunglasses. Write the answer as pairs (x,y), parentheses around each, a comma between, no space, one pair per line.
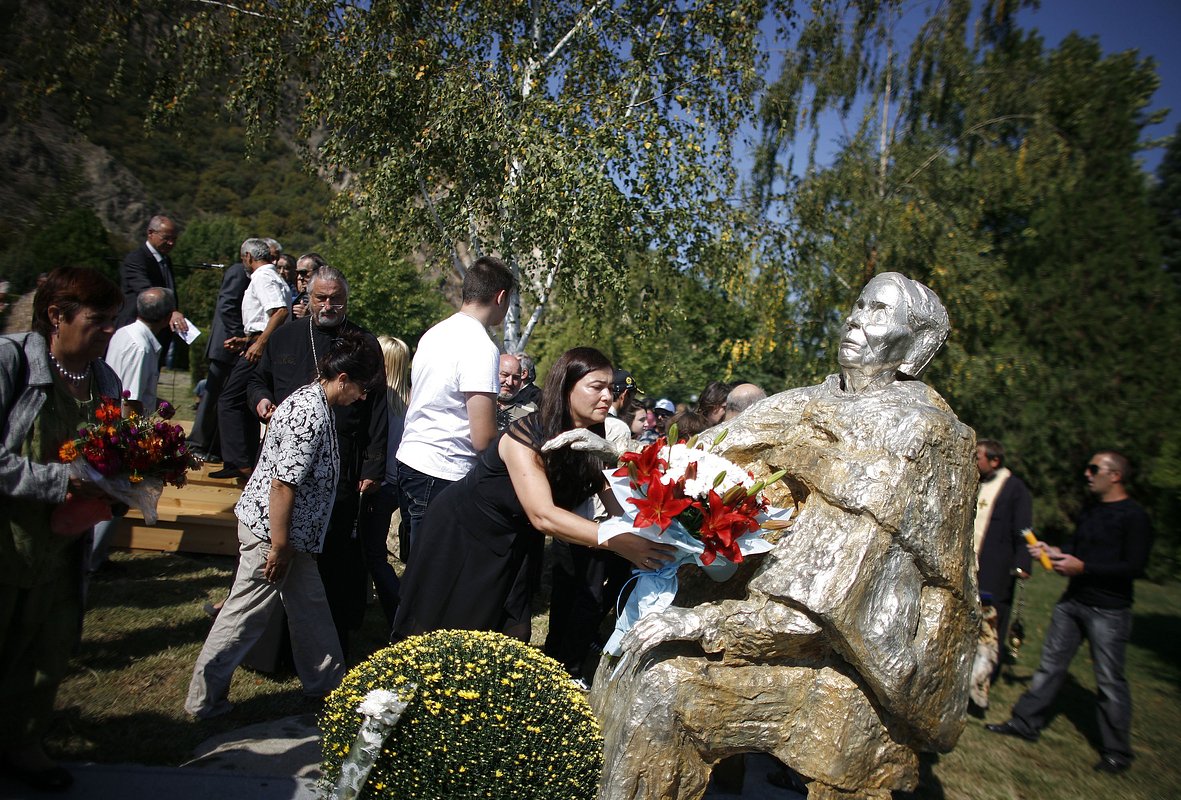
(623,393)
(289,363)
(304,267)
(1108,552)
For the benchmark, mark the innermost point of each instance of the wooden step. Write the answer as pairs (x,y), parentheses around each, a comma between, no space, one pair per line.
(198,518)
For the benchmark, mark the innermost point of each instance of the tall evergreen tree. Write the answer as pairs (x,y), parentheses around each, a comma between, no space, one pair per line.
(1004,176)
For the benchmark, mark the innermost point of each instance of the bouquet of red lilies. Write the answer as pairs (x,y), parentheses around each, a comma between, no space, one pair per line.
(716,501)
(130,458)
(713,511)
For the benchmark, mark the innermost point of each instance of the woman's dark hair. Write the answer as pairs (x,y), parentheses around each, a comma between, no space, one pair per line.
(689,424)
(71,289)
(573,476)
(712,396)
(358,356)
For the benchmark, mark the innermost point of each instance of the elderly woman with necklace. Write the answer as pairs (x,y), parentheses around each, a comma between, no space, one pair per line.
(52,380)
(283,516)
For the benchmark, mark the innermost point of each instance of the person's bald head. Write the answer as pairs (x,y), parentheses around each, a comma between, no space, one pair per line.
(742,397)
(154,307)
(510,377)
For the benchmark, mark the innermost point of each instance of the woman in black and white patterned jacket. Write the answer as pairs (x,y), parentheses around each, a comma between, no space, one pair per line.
(282,518)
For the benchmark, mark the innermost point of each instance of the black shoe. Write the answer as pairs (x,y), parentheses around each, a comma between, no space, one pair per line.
(110,569)
(1112,765)
(207,458)
(230,472)
(1007,729)
(52,779)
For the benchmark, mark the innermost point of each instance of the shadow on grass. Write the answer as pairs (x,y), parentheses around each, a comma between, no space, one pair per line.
(159,739)
(120,652)
(1159,634)
(159,581)
(930,787)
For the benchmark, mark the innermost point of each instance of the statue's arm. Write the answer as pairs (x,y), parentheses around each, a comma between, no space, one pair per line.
(756,628)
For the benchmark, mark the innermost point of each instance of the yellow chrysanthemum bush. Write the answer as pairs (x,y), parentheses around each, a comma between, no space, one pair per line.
(489,717)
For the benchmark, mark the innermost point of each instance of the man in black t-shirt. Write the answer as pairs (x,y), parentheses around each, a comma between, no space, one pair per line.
(1107,553)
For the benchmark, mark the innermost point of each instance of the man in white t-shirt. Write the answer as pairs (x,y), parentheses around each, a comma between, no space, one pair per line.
(455,380)
(265,307)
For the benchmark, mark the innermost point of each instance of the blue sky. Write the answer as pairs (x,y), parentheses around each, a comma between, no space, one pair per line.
(1152,27)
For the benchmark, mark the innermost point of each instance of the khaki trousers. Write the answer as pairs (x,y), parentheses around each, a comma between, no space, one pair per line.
(243,620)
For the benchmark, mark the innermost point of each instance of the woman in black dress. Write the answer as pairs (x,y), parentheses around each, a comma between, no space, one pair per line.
(471,571)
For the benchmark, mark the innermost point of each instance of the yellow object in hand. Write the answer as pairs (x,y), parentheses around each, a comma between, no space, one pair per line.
(1045,559)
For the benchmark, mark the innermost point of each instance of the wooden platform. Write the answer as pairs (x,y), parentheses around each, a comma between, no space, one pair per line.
(196,519)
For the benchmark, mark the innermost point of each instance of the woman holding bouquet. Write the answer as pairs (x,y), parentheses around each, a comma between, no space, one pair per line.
(472,570)
(283,517)
(52,380)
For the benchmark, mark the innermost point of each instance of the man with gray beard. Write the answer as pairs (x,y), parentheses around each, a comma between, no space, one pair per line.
(289,363)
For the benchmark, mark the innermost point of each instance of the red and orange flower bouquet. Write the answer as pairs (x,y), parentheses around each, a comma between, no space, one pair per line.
(130,458)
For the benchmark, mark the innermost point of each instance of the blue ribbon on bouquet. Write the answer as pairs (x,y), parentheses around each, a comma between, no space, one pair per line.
(653,593)
(655,589)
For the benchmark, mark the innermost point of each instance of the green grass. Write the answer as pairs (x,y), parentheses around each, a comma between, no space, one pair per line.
(123,701)
(176,386)
(985,766)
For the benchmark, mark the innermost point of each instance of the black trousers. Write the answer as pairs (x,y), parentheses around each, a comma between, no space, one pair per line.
(237,423)
(205,427)
(342,567)
(585,586)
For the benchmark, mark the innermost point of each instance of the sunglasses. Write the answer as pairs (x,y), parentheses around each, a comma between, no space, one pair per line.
(1093,469)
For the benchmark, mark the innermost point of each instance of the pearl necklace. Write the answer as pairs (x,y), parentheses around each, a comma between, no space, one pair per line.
(73,377)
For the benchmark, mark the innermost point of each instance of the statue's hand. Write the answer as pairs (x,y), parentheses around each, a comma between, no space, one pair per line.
(584,441)
(671,625)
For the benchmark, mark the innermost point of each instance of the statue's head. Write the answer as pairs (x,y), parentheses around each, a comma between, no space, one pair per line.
(894,330)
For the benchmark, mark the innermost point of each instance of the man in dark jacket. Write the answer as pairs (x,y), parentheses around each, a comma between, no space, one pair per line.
(1108,551)
(226,326)
(289,363)
(1004,511)
(148,266)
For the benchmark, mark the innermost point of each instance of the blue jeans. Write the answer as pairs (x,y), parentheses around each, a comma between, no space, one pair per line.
(1108,630)
(419,490)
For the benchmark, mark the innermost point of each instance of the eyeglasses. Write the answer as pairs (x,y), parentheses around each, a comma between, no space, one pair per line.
(1094,469)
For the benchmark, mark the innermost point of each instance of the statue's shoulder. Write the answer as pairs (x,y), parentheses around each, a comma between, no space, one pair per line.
(928,420)
(929,404)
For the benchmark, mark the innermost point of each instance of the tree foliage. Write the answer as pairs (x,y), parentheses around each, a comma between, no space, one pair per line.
(673,331)
(387,293)
(1003,175)
(561,135)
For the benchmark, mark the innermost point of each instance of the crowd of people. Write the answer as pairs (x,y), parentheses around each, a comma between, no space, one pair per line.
(452,441)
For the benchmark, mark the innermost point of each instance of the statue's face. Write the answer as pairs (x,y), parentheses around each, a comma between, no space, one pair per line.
(878,336)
